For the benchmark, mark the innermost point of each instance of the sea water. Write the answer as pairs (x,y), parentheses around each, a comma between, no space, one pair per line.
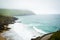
(42,24)
(47,23)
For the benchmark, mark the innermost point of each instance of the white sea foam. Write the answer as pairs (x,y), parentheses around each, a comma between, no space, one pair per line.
(24,31)
(38,30)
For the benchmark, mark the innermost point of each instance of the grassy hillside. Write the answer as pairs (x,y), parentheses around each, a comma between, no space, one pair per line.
(15,12)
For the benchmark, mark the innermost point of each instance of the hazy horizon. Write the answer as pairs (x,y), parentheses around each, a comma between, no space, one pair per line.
(37,6)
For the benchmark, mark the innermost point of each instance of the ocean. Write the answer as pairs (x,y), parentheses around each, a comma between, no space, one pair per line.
(48,23)
(36,25)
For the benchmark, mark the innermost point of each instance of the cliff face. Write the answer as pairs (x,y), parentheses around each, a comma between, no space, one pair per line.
(15,12)
(5,21)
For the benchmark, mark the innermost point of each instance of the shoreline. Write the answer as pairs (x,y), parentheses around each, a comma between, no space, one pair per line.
(24,31)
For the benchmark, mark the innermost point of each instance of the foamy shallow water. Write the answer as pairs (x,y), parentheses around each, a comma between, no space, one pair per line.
(22,32)
(11,35)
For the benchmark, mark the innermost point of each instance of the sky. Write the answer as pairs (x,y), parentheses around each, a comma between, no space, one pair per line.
(37,6)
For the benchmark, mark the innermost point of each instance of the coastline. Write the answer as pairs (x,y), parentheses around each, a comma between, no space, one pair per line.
(24,31)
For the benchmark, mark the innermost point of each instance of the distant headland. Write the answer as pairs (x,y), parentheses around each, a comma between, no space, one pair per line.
(15,12)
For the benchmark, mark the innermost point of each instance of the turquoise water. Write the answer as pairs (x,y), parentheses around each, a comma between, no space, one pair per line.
(47,23)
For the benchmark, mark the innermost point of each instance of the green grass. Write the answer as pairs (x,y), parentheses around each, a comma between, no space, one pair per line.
(15,12)
(55,36)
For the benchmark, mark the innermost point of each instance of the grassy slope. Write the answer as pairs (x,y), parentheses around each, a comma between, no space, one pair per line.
(13,12)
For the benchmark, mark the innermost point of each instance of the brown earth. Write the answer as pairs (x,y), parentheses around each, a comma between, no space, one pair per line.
(2,38)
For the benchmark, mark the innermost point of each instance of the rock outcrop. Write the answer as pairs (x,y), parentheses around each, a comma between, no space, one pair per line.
(5,21)
(49,36)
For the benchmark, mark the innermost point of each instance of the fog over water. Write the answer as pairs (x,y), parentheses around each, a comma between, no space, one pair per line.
(37,6)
